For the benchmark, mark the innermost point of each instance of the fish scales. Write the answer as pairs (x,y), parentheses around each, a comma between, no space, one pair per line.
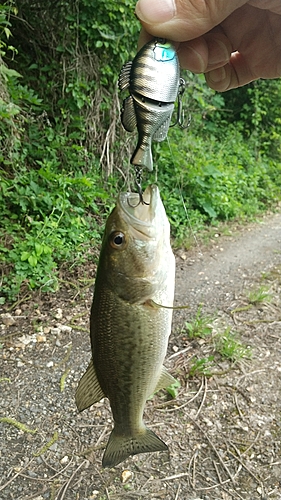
(129,335)
(153,81)
(128,358)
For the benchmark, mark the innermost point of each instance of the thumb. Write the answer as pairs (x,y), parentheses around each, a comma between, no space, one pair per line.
(183,20)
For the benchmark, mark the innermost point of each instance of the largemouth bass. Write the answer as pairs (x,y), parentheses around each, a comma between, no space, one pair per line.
(153,81)
(129,332)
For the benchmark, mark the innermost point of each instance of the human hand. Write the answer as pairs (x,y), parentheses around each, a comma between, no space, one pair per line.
(232,41)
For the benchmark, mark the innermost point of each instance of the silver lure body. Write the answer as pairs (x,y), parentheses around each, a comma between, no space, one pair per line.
(153,80)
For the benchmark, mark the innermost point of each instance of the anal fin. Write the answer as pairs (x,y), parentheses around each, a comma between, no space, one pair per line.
(89,390)
(165,380)
(161,133)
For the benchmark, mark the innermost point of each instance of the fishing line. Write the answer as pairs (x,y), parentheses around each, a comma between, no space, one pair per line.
(184,206)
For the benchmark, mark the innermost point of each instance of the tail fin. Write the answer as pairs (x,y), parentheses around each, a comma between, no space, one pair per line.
(120,447)
(142,156)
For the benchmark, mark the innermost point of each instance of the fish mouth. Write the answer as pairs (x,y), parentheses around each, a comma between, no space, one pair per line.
(141,215)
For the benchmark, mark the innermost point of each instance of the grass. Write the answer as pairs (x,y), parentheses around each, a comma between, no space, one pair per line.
(228,345)
(258,296)
(224,344)
(200,325)
(202,367)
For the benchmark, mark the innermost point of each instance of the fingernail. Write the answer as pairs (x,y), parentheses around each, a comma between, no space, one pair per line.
(155,11)
(217,75)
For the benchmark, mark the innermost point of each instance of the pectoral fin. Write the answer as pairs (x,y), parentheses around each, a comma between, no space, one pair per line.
(128,115)
(165,380)
(152,303)
(89,390)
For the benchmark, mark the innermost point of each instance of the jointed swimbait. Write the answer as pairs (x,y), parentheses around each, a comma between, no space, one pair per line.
(153,80)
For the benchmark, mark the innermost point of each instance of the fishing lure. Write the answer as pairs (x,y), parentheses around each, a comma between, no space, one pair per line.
(154,83)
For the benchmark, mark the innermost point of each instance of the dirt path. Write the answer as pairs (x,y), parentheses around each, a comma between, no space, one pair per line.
(224,427)
(220,271)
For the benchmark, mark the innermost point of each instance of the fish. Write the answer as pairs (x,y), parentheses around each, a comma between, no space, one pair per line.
(129,329)
(153,81)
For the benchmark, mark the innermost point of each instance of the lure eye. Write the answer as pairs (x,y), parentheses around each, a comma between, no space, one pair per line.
(118,240)
(164,52)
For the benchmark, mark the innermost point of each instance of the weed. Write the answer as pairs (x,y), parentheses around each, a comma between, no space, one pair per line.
(173,389)
(46,446)
(273,275)
(199,326)
(229,346)
(203,366)
(258,296)
(17,424)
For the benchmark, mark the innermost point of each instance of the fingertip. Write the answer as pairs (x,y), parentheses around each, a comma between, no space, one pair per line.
(216,75)
(220,79)
(193,55)
(156,11)
(172,19)
(219,50)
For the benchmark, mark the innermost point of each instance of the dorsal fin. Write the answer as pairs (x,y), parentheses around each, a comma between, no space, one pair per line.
(124,77)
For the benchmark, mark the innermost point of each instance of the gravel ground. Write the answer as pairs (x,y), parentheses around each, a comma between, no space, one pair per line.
(224,427)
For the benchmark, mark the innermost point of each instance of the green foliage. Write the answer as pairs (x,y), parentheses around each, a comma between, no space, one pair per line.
(229,346)
(258,296)
(255,109)
(217,179)
(48,218)
(77,51)
(173,389)
(202,367)
(6,9)
(110,28)
(199,326)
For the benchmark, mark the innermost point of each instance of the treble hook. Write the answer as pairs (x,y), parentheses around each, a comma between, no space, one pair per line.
(138,172)
(180,112)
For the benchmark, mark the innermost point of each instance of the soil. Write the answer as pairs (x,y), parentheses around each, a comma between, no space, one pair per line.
(223,428)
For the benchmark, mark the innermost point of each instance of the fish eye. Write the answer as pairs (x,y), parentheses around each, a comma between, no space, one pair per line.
(117,240)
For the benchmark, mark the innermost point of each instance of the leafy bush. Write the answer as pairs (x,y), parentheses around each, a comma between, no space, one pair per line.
(219,180)
(48,218)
